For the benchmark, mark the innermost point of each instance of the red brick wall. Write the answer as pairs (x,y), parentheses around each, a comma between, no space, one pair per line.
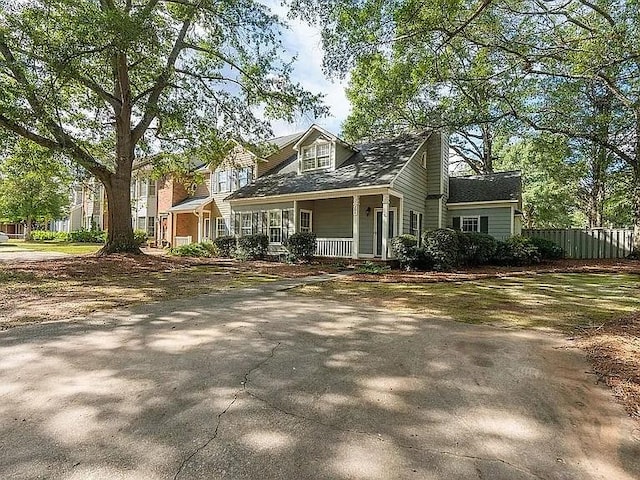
(187,224)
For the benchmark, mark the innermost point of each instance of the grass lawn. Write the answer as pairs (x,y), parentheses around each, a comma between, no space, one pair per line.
(548,301)
(61,247)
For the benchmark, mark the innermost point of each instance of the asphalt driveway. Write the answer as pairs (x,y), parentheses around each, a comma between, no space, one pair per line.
(267,385)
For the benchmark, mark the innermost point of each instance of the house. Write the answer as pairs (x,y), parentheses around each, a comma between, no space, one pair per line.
(356,198)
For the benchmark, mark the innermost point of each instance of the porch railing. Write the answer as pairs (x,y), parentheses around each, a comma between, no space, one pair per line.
(334,247)
(180,241)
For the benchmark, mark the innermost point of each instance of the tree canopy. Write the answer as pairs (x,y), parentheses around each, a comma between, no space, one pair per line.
(110,82)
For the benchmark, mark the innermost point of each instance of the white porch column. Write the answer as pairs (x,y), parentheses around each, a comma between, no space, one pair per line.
(385,225)
(174,228)
(199,214)
(356,227)
(400,218)
(296,222)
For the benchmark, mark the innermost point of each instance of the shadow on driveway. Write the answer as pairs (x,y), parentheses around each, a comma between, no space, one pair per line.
(274,386)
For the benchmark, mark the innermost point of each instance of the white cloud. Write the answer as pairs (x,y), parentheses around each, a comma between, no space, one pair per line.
(304,41)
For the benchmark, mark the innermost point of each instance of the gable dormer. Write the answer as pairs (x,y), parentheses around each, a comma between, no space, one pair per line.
(320,150)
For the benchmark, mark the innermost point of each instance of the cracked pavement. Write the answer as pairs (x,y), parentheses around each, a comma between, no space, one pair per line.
(265,384)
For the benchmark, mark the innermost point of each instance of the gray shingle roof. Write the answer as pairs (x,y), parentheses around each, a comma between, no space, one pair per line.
(285,140)
(375,163)
(485,188)
(190,204)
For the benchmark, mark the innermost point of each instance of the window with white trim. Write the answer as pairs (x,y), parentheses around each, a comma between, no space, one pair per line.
(306,224)
(244,176)
(245,224)
(151,227)
(222,183)
(470,224)
(424,160)
(221,227)
(275,226)
(316,156)
(206,234)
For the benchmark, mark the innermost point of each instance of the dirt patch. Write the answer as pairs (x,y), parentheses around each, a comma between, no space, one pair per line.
(470,274)
(614,351)
(32,292)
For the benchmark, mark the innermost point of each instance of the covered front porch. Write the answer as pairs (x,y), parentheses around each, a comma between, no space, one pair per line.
(357,225)
(189,222)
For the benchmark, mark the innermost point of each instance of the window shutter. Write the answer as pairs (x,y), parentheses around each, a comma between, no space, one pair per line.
(265,222)
(456,223)
(229,180)
(285,225)
(419,229)
(411,227)
(214,187)
(484,224)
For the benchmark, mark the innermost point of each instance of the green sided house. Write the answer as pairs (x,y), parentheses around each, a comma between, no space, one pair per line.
(355,198)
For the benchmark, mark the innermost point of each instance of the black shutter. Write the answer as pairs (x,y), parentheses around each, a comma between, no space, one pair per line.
(411,227)
(255,223)
(236,225)
(456,223)
(484,224)
(265,223)
(419,229)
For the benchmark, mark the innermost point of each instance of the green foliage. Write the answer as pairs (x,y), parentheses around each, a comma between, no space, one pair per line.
(404,250)
(252,247)
(88,236)
(140,236)
(225,246)
(516,251)
(48,236)
(372,268)
(547,249)
(477,248)
(443,247)
(102,80)
(34,184)
(302,246)
(191,250)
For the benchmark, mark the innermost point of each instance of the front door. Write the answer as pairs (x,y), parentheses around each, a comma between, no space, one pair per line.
(378,228)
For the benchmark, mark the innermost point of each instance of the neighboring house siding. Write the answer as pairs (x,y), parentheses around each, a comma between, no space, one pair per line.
(499,219)
(412,183)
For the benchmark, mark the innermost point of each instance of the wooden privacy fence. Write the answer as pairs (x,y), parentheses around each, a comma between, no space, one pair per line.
(590,243)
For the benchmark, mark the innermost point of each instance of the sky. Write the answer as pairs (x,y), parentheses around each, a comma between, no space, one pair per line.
(303,40)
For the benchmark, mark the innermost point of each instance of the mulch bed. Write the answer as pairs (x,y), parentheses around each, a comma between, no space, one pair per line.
(614,351)
(470,274)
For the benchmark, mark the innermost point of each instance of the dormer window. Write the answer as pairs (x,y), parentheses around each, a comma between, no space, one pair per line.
(316,156)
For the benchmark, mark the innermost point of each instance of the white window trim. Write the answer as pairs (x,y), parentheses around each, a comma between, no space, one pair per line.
(224,223)
(243,216)
(310,212)
(269,227)
(315,157)
(424,160)
(227,183)
(469,217)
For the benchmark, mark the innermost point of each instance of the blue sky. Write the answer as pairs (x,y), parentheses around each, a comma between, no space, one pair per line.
(303,40)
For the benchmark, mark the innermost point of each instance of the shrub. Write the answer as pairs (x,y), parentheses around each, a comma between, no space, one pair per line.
(88,236)
(404,250)
(477,248)
(225,246)
(140,236)
(211,248)
(443,247)
(518,251)
(423,260)
(373,268)
(252,247)
(302,246)
(547,249)
(191,250)
(47,236)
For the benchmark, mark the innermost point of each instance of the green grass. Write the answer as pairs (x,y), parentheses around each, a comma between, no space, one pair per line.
(61,247)
(550,301)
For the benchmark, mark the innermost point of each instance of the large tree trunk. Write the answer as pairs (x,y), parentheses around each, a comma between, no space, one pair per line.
(27,229)
(119,227)
(635,252)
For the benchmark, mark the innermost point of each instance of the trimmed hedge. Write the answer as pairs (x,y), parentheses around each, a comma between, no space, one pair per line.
(516,251)
(302,246)
(548,250)
(404,249)
(442,246)
(252,247)
(192,250)
(225,246)
(477,248)
(88,236)
(47,236)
